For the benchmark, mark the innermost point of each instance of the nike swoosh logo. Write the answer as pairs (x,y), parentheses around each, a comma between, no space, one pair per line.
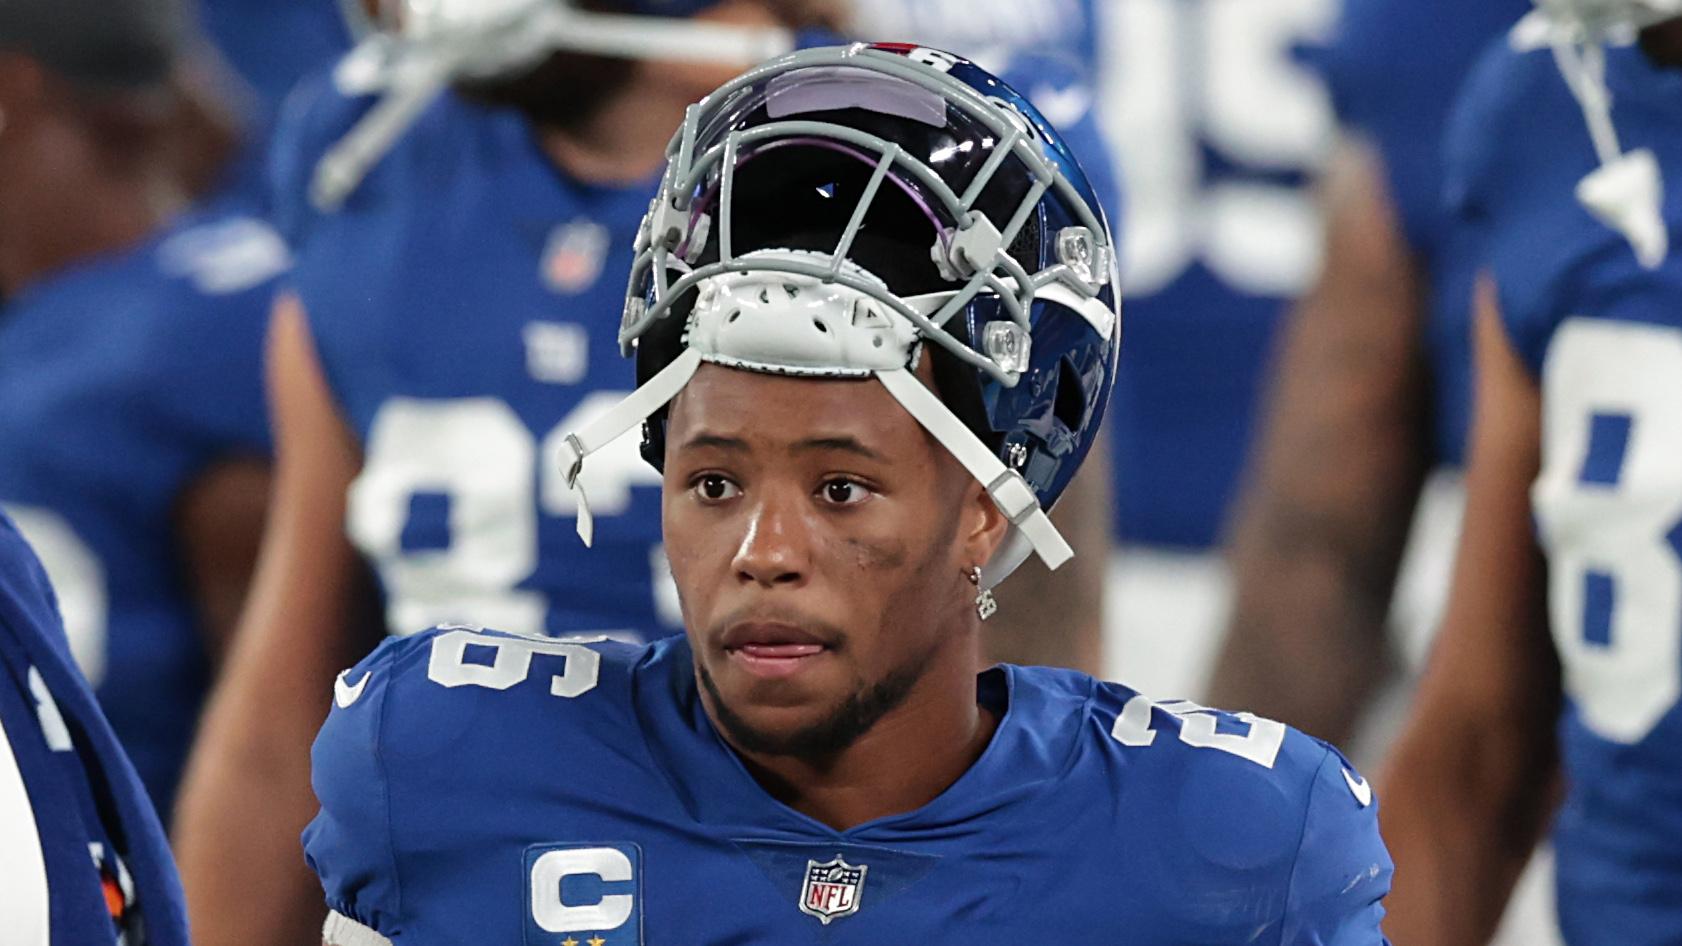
(1358,786)
(344,693)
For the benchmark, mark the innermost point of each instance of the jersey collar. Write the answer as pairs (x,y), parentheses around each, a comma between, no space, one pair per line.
(1034,745)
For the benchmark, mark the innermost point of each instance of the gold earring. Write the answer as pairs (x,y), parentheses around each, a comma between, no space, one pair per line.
(985,604)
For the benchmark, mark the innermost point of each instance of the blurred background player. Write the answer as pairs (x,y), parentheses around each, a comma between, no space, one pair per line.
(1369,389)
(133,438)
(1574,492)
(444,327)
(82,856)
(1357,471)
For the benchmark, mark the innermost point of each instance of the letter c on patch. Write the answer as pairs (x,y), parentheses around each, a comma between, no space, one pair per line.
(552,868)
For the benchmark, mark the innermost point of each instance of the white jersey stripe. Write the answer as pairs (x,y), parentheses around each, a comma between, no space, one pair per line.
(23,870)
(341,930)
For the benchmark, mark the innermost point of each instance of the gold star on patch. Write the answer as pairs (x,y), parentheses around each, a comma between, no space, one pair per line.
(596,941)
(569,941)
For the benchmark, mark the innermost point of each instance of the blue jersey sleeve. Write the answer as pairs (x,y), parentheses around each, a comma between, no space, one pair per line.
(1515,150)
(1342,870)
(349,844)
(315,116)
(1471,152)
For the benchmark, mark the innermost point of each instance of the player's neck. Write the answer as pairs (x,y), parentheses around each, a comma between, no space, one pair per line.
(623,143)
(907,759)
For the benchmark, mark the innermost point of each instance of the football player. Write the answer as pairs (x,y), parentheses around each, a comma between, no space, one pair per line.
(874,315)
(447,324)
(133,439)
(1370,388)
(1552,691)
(82,856)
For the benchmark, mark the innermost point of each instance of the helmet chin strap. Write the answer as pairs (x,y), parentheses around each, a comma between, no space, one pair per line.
(1031,529)
(779,323)
(1626,193)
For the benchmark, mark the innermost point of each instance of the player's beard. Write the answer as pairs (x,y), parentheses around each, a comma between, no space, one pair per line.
(826,738)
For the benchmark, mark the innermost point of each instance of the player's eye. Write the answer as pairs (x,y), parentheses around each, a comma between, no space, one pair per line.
(715,488)
(840,491)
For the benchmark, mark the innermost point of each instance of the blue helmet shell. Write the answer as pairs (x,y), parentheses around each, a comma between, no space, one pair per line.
(801,124)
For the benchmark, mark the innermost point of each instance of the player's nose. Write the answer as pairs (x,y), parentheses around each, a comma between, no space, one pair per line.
(776,548)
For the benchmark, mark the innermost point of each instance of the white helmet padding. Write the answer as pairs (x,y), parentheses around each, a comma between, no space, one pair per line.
(775,321)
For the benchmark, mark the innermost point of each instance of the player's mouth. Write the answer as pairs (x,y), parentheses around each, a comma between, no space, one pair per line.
(773,651)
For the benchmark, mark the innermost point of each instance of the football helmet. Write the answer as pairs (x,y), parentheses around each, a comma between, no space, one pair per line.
(841,212)
(408,51)
(1626,192)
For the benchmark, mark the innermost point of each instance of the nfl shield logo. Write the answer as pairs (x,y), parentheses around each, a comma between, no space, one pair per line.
(573,259)
(832,889)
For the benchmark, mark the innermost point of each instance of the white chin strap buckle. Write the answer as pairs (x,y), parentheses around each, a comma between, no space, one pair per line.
(1627,195)
(794,324)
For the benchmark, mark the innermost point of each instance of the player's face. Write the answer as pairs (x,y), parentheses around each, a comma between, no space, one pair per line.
(820,540)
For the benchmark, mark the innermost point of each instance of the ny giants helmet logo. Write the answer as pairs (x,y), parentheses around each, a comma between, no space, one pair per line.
(832,889)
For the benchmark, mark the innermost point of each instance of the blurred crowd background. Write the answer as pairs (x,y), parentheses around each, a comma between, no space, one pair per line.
(1284,434)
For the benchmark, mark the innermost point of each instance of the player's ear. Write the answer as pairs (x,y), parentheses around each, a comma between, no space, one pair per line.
(982,526)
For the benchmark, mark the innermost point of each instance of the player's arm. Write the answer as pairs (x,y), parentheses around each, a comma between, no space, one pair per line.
(1319,533)
(1469,785)
(219,528)
(1070,634)
(246,794)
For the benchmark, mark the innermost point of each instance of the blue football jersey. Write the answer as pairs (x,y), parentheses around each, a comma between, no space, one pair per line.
(1393,70)
(465,304)
(82,856)
(121,380)
(485,787)
(1604,339)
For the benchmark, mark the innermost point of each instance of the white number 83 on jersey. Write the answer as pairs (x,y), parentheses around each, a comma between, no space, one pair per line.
(1609,506)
